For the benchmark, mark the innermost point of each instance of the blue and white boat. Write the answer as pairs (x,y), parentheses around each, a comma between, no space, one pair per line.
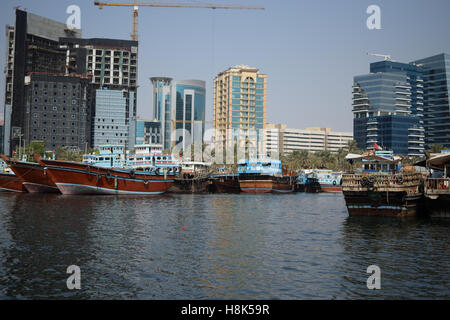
(145,158)
(264,175)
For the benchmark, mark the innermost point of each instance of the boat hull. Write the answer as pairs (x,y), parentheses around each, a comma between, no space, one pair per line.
(255,186)
(227,184)
(266,184)
(40,188)
(374,203)
(187,186)
(438,206)
(330,188)
(76,178)
(34,177)
(10,182)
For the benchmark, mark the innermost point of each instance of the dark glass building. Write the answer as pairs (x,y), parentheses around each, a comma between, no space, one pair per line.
(436,76)
(33,46)
(388,108)
(148,132)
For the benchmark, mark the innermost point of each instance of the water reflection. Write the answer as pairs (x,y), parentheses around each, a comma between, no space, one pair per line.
(412,254)
(42,243)
(297,246)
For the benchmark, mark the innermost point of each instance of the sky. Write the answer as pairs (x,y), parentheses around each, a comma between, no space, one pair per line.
(309,49)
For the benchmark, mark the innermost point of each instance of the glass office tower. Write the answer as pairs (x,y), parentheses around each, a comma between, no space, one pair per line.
(387,108)
(109,123)
(189,111)
(162,108)
(179,105)
(436,99)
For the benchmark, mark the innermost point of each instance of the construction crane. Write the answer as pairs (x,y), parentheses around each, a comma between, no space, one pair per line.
(136,5)
(385,56)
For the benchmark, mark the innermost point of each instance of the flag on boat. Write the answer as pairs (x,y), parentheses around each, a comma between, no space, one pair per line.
(376,147)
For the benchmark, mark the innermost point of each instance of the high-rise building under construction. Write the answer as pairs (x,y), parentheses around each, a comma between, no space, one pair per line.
(53,78)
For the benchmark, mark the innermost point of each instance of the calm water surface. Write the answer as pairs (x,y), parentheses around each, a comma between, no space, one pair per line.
(296,246)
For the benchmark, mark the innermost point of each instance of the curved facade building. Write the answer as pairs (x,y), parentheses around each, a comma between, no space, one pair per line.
(180,106)
(162,107)
(388,108)
(189,111)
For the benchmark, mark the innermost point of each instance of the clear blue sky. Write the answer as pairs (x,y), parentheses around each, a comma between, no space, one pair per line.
(310,50)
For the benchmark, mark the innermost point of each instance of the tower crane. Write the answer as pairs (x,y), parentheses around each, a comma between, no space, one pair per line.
(385,56)
(136,5)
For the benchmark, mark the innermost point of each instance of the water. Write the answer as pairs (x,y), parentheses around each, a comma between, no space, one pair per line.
(295,246)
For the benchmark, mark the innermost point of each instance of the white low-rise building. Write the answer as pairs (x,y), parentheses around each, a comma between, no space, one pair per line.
(279,138)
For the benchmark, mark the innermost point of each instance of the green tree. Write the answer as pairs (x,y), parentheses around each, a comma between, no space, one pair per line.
(64,153)
(352,147)
(37,147)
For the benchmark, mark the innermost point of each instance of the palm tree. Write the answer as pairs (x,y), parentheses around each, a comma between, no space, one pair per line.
(436,148)
(353,147)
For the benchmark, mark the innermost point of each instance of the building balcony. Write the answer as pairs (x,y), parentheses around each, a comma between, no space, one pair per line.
(403,105)
(401,86)
(359,98)
(355,105)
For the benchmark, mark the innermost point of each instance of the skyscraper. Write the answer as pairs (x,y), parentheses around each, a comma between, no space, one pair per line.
(44,52)
(240,107)
(188,98)
(162,107)
(388,108)
(180,107)
(148,132)
(436,76)
(33,46)
(111,65)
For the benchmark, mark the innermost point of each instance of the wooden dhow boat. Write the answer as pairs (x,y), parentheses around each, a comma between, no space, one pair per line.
(10,182)
(78,178)
(382,188)
(264,176)
(32,175)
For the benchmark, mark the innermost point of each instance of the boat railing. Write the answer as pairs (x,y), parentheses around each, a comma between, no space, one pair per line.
(381,180)
(437,186)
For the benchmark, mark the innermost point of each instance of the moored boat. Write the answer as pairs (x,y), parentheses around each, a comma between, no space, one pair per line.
(78,178)
(264,176)
(227,183)
(145,158)
(33,176)
(437,184)
(382,189)
(10,182)
(328,180)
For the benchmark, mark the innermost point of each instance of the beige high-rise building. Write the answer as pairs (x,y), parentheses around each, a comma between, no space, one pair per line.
(240,107)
